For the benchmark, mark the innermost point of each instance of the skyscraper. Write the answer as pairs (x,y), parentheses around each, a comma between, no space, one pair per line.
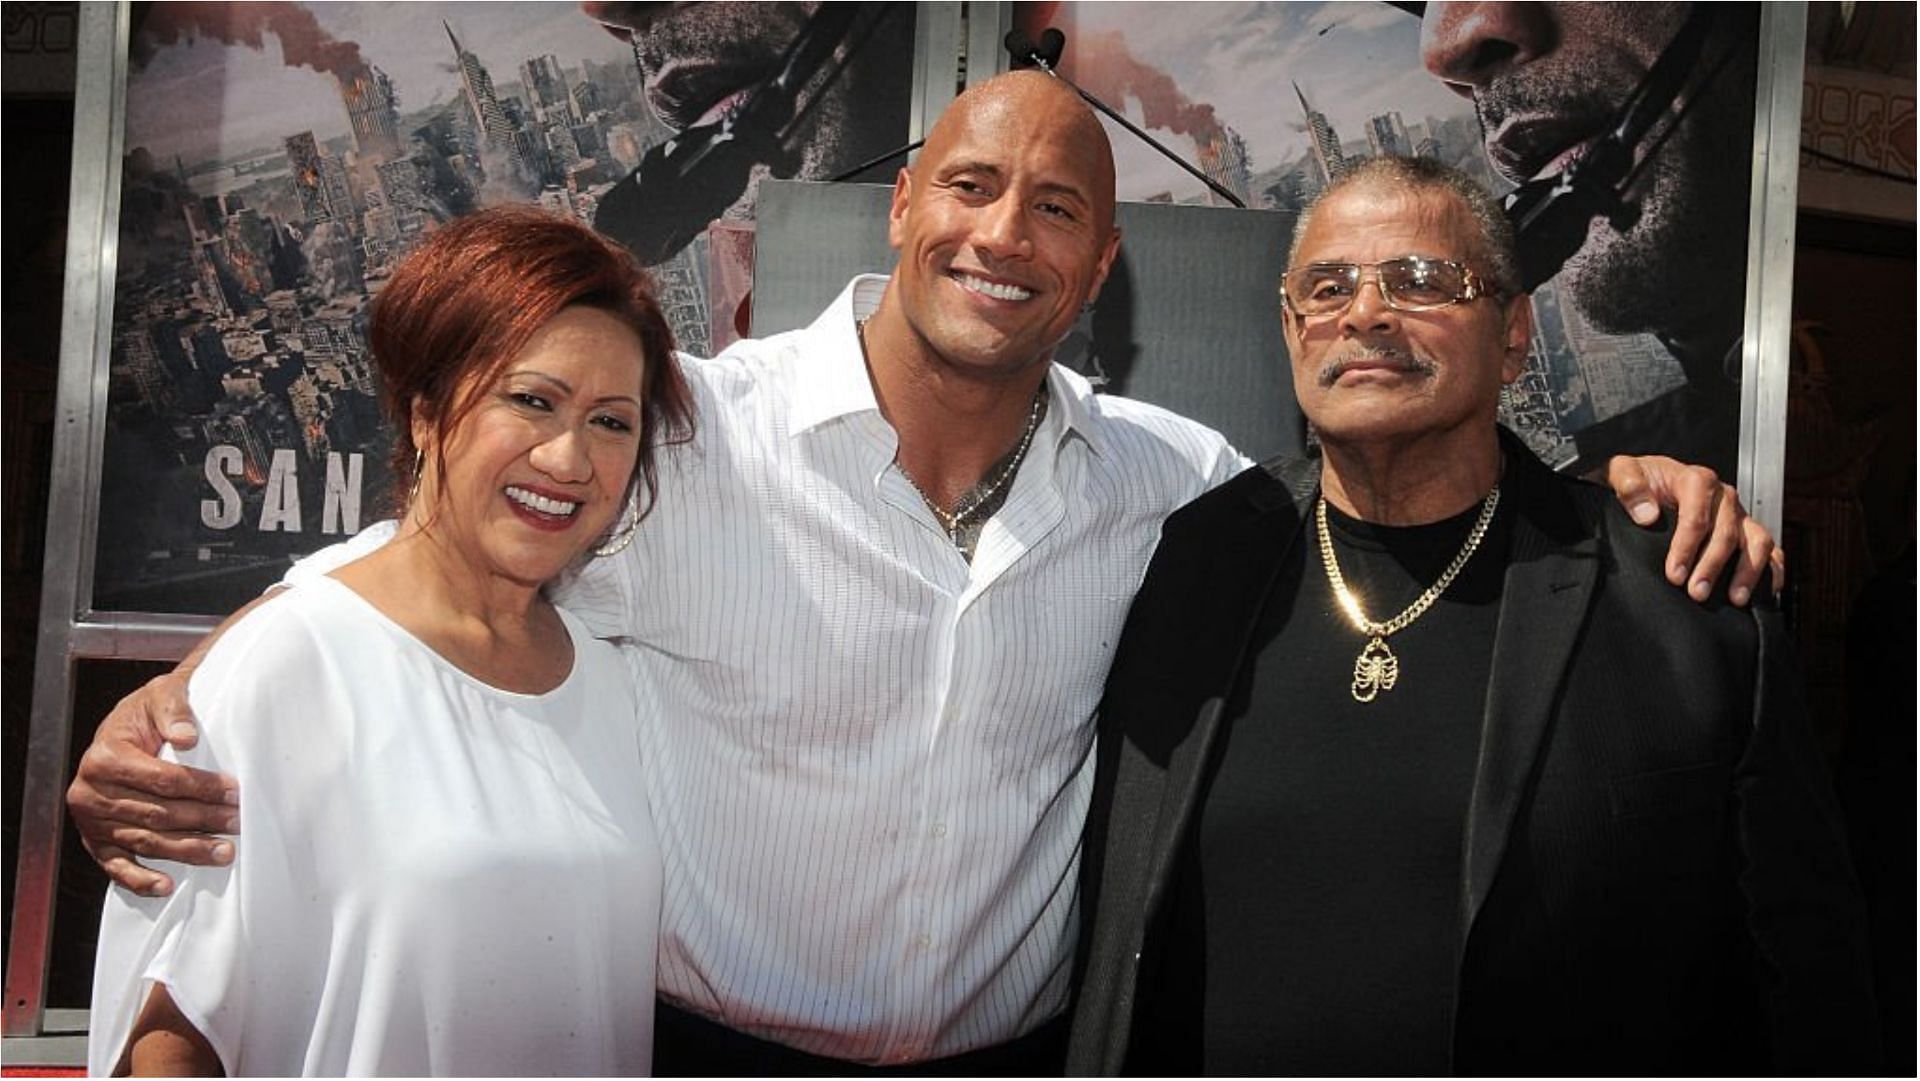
(406,198)
(340,194)
(489,119)
(303,158)
(1388,136)
(321,180)
(249,254)
(562,148)
(209,284)
(1326,144)
(546,86)
(373,113)
(586,101)
(1224,159)
(133,351)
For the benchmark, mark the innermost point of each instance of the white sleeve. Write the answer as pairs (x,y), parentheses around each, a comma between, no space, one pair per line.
(601,592)
(1228,463)
(333,557)
(223,928)
(139,935)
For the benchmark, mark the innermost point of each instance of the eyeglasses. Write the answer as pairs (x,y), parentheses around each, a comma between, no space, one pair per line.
(1411,283)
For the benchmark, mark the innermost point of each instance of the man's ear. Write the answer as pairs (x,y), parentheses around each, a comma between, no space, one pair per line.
(1518,333)
(897,213)
(1290,326)
(1107,255)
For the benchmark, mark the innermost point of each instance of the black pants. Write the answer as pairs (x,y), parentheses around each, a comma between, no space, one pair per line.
(687,1045)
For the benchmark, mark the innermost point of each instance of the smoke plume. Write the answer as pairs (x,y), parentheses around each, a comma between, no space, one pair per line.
(303,44)
(1102,64)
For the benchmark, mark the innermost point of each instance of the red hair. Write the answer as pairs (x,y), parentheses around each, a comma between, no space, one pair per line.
(464,303)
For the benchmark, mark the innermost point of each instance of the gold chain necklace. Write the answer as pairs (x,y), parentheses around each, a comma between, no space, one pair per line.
(1377,669)
(956,522)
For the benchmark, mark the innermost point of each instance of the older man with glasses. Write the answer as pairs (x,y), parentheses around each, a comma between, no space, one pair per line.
(1410,762)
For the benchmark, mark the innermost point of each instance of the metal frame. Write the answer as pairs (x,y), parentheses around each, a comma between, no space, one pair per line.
(936,60)
(69,628)
(1773,209)
(987,26)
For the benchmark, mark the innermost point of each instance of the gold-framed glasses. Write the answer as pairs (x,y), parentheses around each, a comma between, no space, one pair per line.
(1411,283)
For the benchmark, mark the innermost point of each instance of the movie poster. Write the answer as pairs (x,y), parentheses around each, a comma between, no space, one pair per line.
(1637,342)
(281,158)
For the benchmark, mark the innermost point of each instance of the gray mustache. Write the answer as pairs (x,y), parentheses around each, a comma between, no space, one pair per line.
(1399,360)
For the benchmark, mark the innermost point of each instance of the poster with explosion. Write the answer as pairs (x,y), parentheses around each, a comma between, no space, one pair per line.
(1639,319)
(281,157)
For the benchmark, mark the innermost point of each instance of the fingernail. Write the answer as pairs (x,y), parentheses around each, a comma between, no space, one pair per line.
(159,889)
(1739,594)
(1676,570)
(179,730)
(230,824)
(230,795)
(1700,589)
(1644,513)
(222,852)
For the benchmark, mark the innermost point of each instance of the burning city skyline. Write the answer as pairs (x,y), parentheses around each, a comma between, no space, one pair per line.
(275,68)
(242,390)
(1226,63)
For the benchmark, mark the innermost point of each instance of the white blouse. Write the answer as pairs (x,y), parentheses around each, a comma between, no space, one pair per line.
(435,876)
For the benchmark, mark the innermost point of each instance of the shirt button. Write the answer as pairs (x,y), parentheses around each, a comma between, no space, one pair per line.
(939,829)
(923,941)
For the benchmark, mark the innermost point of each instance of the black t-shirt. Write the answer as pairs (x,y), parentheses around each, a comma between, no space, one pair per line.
(1317,922)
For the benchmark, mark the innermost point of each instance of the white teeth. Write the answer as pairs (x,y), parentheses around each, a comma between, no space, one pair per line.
(541,503)
(992,289)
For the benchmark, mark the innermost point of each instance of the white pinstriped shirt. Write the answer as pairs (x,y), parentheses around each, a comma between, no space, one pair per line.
(870,762)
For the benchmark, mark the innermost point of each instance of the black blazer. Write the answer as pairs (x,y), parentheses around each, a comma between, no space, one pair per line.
(1655,875)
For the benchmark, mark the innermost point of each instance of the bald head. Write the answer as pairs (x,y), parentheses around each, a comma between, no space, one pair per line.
(1022,105)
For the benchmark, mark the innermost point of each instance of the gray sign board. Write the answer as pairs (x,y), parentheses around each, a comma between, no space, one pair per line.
(1189,319)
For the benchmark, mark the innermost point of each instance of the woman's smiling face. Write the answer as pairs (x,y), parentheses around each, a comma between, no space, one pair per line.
(540,468)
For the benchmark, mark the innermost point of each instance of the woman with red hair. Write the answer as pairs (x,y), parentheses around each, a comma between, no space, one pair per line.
(452,869)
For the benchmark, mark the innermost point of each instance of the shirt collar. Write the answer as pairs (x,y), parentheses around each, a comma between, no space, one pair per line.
(837,383)
(1077,406)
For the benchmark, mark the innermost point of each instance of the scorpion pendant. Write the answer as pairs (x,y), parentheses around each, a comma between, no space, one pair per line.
(1375,670)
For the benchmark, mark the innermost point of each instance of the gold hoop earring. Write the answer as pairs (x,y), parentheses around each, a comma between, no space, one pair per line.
(419,466)
(617,542)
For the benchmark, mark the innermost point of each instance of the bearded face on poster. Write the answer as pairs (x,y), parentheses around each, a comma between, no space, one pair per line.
(751,91)
(1549,81)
